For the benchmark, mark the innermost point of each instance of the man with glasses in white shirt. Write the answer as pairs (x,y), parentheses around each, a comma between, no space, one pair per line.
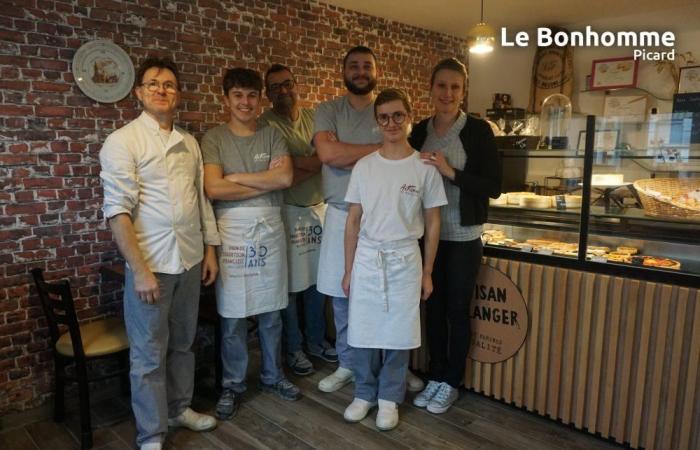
(165,229)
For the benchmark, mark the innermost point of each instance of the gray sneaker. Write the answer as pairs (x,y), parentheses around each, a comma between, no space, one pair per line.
(284,389)
(228,404)
(326,352)
(421,400)
(299,363)
(443,399)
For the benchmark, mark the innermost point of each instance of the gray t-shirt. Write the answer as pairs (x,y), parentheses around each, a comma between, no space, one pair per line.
(236,154)
(451,145)
(351,127)
(298,134)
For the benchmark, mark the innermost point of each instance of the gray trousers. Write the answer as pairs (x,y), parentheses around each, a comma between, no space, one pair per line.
(380,374)
(234,350)
(340,317)
(160,339)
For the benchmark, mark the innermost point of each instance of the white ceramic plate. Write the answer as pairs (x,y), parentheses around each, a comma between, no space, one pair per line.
(103,71)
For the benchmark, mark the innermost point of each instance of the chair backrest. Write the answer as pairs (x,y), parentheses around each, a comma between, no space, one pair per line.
(57,302)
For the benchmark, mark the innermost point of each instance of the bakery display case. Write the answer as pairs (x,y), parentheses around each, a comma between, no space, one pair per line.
(623,198)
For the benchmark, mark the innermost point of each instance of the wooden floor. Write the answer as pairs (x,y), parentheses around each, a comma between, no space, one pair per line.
(316,422)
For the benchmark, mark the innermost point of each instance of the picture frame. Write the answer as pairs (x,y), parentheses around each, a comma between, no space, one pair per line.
(605,140)
(688,79)
(626,108)
(614,73)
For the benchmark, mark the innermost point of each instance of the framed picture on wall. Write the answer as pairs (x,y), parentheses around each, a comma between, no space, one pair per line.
(689,79)
(605,140)
(625,107)
(614,73)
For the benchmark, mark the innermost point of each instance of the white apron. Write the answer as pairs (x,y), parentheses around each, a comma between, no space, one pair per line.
(252,262)
(385,295)
(304,229)
(331,263)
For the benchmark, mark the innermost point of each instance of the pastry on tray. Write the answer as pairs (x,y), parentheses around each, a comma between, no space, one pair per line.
(619,257)
(501,200)
(514,197)
(661,263)
(493,235)
(535,201)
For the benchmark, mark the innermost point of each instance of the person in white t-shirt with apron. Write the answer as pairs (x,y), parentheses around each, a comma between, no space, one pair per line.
(394,200)
(245,169)
(344,132)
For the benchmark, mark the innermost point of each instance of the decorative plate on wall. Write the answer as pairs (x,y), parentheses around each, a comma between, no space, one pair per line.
(103,71)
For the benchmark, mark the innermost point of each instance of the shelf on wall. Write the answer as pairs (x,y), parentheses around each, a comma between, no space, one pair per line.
(607,91)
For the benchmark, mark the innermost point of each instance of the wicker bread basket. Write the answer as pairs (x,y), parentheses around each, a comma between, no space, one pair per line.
(659,197)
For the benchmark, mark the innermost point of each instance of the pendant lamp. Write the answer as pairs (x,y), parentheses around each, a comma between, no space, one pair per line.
(482,37)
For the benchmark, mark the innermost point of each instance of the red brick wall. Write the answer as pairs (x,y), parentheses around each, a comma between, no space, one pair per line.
(51,132)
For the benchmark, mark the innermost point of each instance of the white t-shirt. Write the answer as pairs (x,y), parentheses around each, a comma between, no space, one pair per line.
(393,194)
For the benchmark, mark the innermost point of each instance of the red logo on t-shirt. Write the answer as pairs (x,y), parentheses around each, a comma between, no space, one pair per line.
(409,189)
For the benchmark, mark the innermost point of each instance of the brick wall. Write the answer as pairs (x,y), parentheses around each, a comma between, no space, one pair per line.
(51,133)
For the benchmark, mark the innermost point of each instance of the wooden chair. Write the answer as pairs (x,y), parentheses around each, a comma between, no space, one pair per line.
(79,345)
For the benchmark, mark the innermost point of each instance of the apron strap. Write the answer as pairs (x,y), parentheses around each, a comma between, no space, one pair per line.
(381,265)
(253,231)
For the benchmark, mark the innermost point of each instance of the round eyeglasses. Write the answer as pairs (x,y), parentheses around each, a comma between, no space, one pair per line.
(287,84)
(397,117)
(154,86)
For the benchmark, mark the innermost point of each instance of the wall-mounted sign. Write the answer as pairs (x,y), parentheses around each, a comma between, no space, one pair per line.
(499,317)
(103,71)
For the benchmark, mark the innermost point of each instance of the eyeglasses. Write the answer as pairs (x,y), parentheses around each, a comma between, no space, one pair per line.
(154,86)
(287,84)
(398,117)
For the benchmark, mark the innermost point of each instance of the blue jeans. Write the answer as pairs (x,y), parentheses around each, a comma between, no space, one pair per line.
(380,374)
(340,315)
(160,340)
(314,321)
(234,350)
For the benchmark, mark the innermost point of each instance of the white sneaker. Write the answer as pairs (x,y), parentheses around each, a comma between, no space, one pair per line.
(193,420)
(421,400)
(151,446)
(413,383)
(357,410)
(387,416)
(443,399)
(336,380)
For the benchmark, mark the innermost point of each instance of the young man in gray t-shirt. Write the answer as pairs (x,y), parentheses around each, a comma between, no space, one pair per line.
(245,169)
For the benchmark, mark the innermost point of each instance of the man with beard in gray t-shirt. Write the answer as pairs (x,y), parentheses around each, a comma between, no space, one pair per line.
(344,131)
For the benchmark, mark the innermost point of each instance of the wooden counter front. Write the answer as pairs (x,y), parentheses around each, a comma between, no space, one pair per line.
(613,356)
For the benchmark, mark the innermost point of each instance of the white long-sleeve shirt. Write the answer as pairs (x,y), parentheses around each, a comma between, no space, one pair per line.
(159,183)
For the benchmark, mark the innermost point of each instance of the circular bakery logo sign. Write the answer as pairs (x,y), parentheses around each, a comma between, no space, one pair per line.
(499,318)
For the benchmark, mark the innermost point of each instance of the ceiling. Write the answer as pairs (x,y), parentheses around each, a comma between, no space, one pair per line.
(456,17)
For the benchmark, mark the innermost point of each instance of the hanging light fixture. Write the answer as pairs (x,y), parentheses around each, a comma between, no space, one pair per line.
(482,37)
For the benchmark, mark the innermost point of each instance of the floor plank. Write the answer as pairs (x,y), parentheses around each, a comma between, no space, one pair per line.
(49,435)
(304,419)
(17,439)
(263,431)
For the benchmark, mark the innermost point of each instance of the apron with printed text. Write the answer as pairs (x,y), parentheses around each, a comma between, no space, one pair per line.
(252,262)
(385,293)
(304,230)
